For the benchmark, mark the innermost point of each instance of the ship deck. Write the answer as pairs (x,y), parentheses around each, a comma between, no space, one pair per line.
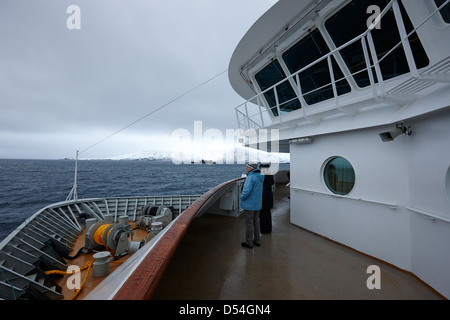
(291,264)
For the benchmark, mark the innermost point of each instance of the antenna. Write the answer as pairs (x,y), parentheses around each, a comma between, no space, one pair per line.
(73,193)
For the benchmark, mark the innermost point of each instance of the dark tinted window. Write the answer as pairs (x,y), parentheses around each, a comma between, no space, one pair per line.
(445,11)
(351,21)
(315,81)
(269,76)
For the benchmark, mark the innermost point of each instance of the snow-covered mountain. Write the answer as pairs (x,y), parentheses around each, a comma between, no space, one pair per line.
(145,155)
(237,155)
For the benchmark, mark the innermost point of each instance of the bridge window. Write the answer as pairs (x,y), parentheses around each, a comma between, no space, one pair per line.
(271,75)
(351,21)
(445,11)
(315,81)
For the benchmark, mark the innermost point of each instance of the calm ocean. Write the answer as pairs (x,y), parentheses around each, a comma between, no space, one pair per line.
(29,185)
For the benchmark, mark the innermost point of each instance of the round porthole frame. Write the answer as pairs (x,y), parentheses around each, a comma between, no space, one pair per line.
(338,175)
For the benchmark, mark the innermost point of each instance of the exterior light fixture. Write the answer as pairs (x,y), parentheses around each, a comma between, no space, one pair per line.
(399,130)
(305,140)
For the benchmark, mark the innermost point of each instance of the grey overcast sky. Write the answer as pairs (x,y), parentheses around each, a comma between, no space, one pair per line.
(65,89)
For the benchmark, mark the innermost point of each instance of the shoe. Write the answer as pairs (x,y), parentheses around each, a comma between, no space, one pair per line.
(245,245)
(256,243)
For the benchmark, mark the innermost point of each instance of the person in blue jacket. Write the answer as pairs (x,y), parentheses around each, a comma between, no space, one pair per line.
(251,202)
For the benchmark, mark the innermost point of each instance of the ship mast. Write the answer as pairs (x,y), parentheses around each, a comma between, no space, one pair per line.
(73,193)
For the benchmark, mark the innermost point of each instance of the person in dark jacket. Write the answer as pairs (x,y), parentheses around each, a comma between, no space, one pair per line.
(251,202)
(265,215)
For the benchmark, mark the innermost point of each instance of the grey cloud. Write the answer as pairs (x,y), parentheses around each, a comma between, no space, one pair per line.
(128,58)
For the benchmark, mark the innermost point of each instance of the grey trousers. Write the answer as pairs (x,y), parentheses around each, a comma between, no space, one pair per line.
(252,228)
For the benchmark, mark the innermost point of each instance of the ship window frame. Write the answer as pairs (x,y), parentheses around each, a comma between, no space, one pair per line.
(290,101)
(315,89)
(393,65)
(445,11)
(338,187)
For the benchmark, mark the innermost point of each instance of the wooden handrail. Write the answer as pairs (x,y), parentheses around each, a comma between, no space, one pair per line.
(143,281)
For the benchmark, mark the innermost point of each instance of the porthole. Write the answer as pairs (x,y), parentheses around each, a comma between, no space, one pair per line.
(339,176)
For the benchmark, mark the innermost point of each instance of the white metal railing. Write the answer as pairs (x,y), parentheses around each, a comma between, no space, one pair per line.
(392,206)
(429,215)
(261,115)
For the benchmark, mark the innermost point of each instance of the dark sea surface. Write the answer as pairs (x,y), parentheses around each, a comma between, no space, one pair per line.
(26,186)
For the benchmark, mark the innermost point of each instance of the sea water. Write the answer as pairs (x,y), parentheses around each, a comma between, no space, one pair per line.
(26,186)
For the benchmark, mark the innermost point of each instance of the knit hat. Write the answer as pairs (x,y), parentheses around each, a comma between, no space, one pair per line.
(252,165)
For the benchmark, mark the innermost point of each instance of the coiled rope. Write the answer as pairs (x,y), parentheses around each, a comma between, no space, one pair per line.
(98,235)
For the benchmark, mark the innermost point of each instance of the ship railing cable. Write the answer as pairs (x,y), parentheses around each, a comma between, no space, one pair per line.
(155,110)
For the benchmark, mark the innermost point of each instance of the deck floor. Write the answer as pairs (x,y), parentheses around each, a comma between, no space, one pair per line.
(290,264)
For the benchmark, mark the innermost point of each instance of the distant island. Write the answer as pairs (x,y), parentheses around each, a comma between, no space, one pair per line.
(162,155)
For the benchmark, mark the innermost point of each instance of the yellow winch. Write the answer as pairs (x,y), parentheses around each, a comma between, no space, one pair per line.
(112,236)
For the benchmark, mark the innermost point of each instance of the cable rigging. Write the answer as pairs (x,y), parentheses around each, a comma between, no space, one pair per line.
(154,111)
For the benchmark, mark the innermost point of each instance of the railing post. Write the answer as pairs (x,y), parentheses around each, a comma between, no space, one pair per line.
(246,115)
(369,67)
(333,81)
(376,62)
(277,101)
(404,39)
(300,94)
(237,117)
(258,98)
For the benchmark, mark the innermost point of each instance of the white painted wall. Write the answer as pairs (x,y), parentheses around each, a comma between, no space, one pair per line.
(429,164)
(409,172)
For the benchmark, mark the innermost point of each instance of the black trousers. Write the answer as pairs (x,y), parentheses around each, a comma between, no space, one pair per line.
(265,220)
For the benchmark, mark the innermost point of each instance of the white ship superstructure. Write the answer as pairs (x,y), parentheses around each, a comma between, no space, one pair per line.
(359,93)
